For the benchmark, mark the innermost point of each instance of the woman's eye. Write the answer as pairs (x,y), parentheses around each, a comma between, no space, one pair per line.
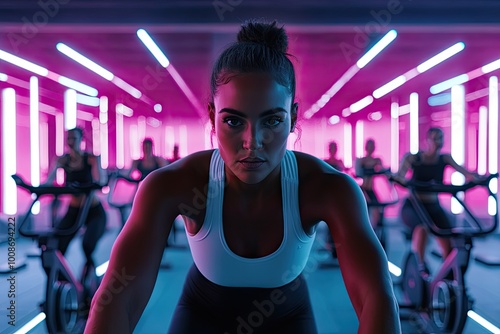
(275,121)
(232,122)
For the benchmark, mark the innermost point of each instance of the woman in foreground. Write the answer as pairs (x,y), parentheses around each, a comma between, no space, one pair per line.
(251,235)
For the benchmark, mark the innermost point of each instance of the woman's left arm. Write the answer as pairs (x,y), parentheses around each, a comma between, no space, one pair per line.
(362,259)
(98,174)
(468,174)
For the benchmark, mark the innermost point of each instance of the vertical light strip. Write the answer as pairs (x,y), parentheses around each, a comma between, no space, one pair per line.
(359,138)
(493,138)
(414,137)
(482,143)
(470,148)
(135,142)
(104,146)
(394,137)
(169,140)
(35,138)
(70,109)
(103,110)
(9,191)
(44,147)
(59,134)
(96,137)
(141,128)
(120,149)
(34,132)
(493,126)
(348,145)
(183,141)
(457,139)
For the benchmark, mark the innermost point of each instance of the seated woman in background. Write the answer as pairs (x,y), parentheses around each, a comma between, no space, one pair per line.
(149,162)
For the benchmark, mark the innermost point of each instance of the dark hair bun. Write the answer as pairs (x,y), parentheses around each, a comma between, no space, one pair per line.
(264,33)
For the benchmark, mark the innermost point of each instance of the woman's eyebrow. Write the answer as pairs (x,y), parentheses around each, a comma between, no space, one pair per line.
(262,114)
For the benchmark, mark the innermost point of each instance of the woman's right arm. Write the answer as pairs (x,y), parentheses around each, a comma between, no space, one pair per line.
(135,258)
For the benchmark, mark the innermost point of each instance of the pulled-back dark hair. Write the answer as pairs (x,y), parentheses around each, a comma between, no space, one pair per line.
(261,47)
(77,130)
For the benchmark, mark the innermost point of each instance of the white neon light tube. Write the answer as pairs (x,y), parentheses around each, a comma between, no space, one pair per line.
(359,138)
(153,47)
(104,146)
(364,102)
(377,48)
(414,128)
(457,138)
(82,60)
(348,145)
(9,155)
(70,106)
(34,132)
(82,88)
(482,142)
(394,137)
(440,57)
(389,87)
(120,149)
(493,125)
(27,65)
(495,65)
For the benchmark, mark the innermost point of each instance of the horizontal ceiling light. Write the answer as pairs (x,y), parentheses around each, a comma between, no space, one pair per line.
(491,66)
(27,65)
(389,87)
(81,59)
(463,78)
(362,62)
(101,71)
(153,47)
(162,59)
(34,68)
(440,57)
(87,100)
(77,86)
(364,102)
(376,49)
(402,79)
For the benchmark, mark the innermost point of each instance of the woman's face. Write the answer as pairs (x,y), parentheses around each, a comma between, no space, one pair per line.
(73,140)
(435,140)
(252,120)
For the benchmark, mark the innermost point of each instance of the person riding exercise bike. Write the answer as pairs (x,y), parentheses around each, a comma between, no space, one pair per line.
(428,166)
(83,168)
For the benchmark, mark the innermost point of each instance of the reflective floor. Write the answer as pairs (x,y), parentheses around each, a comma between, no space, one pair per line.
(333,310)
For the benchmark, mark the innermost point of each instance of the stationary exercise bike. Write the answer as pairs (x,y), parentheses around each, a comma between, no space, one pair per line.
(66,297)
(439,303)
(123,206)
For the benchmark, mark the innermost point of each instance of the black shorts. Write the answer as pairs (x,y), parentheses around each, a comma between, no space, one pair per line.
(411,218)
(208,308)
(371,196)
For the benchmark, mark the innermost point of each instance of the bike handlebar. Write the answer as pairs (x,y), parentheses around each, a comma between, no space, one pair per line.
(73,189)
(427,187)
(114,177)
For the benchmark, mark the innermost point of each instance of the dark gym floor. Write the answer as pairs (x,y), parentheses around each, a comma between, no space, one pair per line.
(332,307)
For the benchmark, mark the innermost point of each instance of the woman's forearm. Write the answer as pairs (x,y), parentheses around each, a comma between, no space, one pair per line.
(380,315)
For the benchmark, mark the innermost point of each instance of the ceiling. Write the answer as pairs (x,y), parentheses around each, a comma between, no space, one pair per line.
(326,38)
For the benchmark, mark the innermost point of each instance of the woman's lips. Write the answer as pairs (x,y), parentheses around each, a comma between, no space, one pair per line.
(251,164)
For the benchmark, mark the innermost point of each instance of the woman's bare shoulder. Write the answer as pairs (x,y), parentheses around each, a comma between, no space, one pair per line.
(182,176)
(317,173)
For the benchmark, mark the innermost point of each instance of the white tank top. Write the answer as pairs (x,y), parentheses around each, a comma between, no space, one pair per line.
(220,265)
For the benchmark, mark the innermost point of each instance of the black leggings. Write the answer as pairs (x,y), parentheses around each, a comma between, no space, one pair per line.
(411,218)
(208,308)
(96,225)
